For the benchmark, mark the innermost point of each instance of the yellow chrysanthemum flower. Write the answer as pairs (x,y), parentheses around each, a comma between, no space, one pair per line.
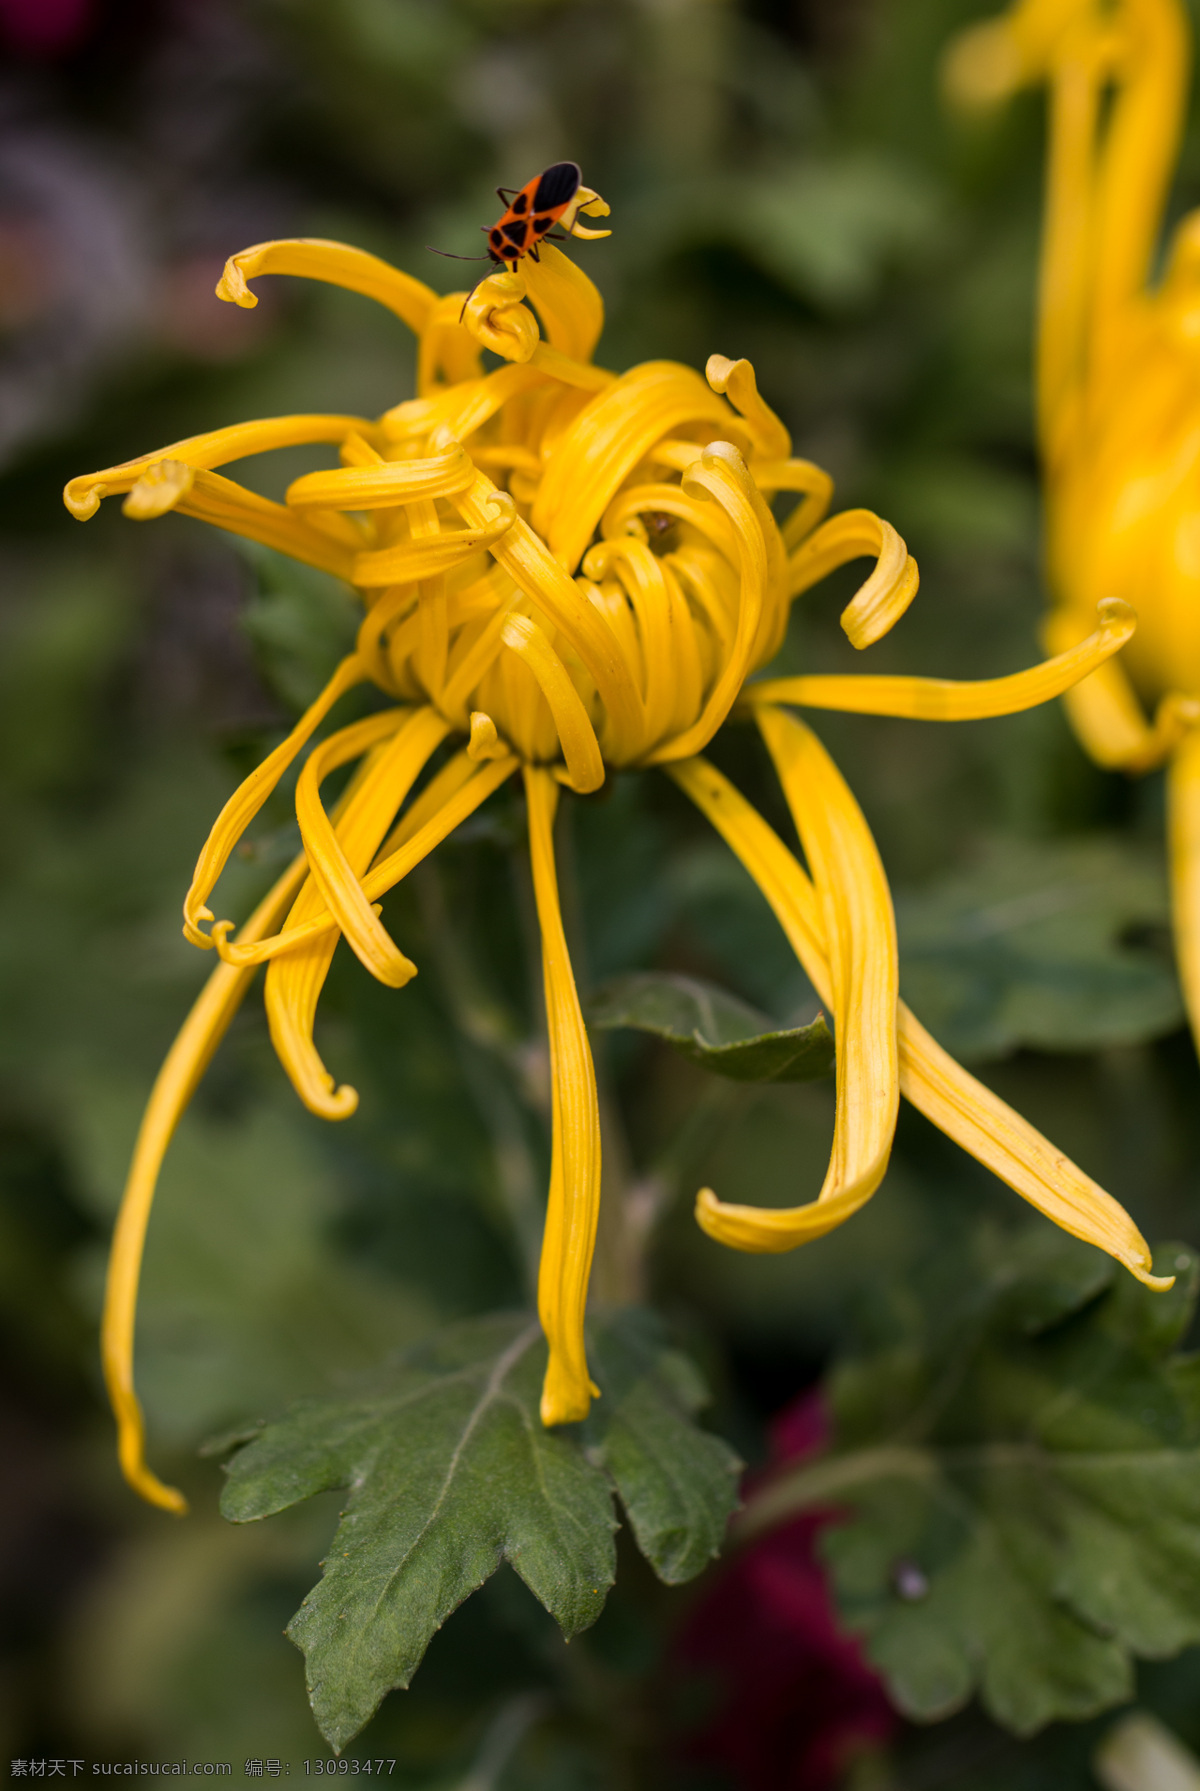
(1118,382)
(523,598)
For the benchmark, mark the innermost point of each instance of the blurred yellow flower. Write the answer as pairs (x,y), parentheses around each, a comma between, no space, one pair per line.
(564,570)
(1118,382)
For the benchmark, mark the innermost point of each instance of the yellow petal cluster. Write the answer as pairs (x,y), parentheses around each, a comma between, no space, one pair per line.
(1118,381)
(565,570)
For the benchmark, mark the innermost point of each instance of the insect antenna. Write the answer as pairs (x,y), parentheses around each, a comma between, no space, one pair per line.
(450,257)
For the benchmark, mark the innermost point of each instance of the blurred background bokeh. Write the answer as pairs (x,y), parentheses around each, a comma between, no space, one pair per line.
(786,184)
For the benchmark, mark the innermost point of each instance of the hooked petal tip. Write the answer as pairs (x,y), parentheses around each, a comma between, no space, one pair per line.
(158,490)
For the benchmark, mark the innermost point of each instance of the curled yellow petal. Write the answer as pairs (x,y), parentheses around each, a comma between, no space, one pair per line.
(250,795)
(528,561)
(945,699)
(82,495)
(1107,716)
(568,303)
(174,1086)
(644,581)
(337,264)
(484,743)
(384,485)
(862,975)
(337,855)
(462,796)
(581,749)
(609,437)
(735,380)
(573,1208)
(879,603)
(158,490)
(721,475)
(211,497)
(497,317)
(409,561)
(1183,819)
(591,205)
(797,475)
(333,872)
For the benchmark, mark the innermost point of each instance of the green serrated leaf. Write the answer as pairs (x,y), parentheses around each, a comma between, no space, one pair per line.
(1060,945)
(451,1472)
(678,1484)
(715,1029)
(1021,1469)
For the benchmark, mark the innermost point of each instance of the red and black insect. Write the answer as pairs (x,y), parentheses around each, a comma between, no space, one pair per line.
(532,212)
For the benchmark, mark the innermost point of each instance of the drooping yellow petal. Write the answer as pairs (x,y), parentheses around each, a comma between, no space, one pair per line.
(250,795)
(947,1094)
(1183,821)
(879,603)
(1014,1150)
(337,264)
(945,699)
(337,856)
(573,1208)
(334,873)
(217,447)
(386,871)
(176,1082)
(859,937)
(323,540)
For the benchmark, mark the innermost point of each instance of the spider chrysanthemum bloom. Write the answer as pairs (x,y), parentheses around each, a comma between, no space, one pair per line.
(1118,382)
(526,606)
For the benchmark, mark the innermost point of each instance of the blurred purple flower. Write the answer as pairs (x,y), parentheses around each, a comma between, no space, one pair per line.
(791,1698)
(44,27)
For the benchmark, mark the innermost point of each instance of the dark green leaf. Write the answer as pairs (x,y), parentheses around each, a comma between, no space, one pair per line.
(1022,1469)
(678,1484)
(1062,945)
(451,1472)
(715,1029)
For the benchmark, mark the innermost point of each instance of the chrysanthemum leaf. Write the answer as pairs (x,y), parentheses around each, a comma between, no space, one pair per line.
(451,1473)
(1060,946)
(1021,1467)
(715,1029)
(677,1483)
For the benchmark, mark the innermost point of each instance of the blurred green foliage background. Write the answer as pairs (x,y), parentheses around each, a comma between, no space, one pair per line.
(785,185)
